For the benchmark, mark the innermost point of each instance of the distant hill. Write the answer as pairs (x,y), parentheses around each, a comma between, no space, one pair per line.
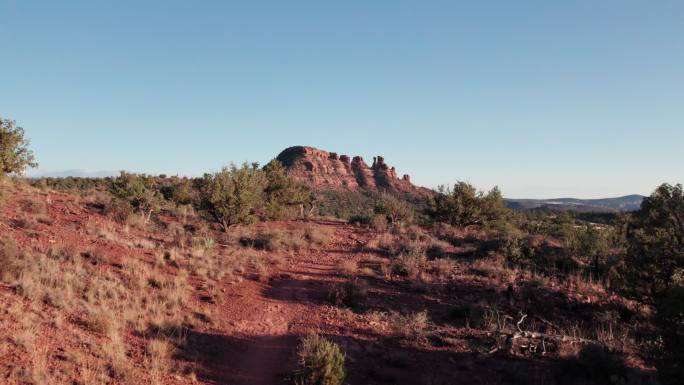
(74,173)
(625,203)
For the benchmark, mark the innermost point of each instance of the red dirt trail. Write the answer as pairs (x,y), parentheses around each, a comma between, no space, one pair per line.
(265,321)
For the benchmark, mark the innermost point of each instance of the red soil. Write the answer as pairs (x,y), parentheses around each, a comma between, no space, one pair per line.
(256,326)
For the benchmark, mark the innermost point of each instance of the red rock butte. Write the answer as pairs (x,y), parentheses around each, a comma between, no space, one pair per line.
(325,170)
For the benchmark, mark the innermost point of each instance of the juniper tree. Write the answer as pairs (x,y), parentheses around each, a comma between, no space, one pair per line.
(234,194)
(465,206)
(654,271)
(15,155)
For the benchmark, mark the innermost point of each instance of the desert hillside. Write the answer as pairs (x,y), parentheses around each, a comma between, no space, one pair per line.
(90,297)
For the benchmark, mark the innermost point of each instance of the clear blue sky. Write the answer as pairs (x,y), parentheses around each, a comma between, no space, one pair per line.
(543,98)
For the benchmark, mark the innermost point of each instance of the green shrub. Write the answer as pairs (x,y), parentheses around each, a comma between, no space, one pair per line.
(233,195)
(180,191)
(465,206)
(285,197)
(593,243)
(395,211)
(140,191)
(321,362)
(653,270)
(118,209)
(15,155)
(351,294)
(241,195)
(655,237)
(409,264)
(351,205)
(71,183)
(360,220)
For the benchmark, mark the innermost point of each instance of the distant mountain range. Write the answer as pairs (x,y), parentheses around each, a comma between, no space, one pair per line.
(73,173)
(625,203)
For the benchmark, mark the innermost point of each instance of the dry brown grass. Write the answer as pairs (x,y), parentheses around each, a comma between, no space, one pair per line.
(33,206)
(410,326)
(115,354)
(347,267)
(158,357)
(136,221)
(291,240)
(318,236)
(410,264)
(104,301)
(25,222)
(442,268)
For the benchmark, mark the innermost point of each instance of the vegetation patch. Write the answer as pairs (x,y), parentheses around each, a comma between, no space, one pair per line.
(321,362)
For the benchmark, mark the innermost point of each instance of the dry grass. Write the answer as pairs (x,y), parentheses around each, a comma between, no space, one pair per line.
(145,243)
(263,272)
(136,221)
(410,264)
(294,240)
(347,267)
(63,252)
(410,326)
(33,206)
(104,301)
(318,236)
(25,222)
(158,357)
(114,351)
(442,268)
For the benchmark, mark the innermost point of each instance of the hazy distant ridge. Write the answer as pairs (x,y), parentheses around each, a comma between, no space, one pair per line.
(624,203)
(73,173)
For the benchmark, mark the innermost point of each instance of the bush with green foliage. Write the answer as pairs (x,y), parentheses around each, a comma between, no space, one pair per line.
(118,209)
(466,206)
(15,155)
(655,237)
(241,195)
(180,191)
(351,205)
(321,362)
(653,270)
(396,211)
(591,242)
(72,183)
(234,195)
(284,196)
(351,293)
(140,191)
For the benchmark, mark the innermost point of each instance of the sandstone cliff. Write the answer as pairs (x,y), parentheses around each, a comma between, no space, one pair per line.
(329,171)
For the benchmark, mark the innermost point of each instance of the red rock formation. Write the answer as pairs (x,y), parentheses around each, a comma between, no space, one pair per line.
(327,171)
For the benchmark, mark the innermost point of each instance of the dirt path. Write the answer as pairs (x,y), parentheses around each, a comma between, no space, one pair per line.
(267,320)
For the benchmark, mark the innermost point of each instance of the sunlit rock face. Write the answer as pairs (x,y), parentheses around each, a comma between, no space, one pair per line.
(325,170)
